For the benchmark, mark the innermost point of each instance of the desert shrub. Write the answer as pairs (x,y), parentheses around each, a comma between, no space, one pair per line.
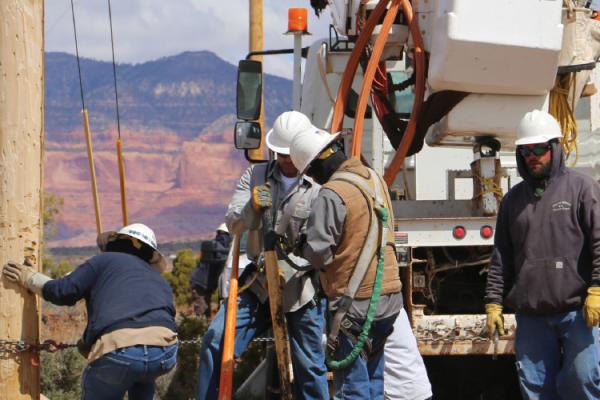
(60,374)
(183,266)
(53,269)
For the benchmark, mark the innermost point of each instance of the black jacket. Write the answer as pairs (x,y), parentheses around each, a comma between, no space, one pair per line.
(547,247)
(214,255)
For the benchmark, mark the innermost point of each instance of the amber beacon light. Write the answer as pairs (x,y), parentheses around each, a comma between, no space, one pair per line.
(297,20)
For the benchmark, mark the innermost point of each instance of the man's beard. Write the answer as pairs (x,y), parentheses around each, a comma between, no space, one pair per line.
(542,173)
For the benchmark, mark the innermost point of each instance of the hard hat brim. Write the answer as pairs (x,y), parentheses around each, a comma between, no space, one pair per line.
(274,148)
(534,140)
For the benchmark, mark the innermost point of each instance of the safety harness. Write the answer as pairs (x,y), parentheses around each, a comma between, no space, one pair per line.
(377,234)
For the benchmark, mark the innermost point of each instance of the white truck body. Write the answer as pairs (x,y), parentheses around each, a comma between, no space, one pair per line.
(508,63)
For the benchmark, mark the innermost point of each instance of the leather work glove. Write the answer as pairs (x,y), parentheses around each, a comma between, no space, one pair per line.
(25,276)
(495,319)
(591,308)
(261,198)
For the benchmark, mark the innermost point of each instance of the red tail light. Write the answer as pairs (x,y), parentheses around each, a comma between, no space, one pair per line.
(459,232)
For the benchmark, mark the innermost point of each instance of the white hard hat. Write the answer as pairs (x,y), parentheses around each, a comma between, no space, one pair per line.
(141,232)
(307,145)
(285,127)
(537,127)
(146,235)
(222,228)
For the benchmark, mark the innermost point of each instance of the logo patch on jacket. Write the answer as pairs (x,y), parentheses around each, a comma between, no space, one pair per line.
(561,206)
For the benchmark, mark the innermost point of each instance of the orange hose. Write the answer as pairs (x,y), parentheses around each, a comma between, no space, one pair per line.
(409,133)
(226,379)
(353,61)
(369,74)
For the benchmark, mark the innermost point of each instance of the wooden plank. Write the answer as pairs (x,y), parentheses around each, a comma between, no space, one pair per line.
(280,333)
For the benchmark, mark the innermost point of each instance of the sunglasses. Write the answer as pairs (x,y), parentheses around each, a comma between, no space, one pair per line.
(536,151)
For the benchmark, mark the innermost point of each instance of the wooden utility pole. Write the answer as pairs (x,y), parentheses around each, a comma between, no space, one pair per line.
(256,44)
(21,147)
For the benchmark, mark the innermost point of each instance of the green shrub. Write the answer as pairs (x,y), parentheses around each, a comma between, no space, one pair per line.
(60,374)
(54,270)
(179,279)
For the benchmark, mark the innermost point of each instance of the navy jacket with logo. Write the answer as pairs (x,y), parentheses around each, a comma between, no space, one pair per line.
(547,247)
(120,291)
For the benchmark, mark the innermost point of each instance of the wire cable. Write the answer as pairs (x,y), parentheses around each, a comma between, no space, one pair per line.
(120,160)
(77,55)
(114,65)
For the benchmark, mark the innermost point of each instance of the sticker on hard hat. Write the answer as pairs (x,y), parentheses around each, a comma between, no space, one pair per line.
(141,235)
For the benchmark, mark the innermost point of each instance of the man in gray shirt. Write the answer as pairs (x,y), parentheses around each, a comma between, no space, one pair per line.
(275,185)
(348,237)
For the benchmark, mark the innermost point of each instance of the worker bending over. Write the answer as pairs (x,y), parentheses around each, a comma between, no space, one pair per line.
(130,336)
(349,237)
(275,185)
(546,267)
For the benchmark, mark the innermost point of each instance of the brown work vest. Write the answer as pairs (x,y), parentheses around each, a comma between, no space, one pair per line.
(336,275)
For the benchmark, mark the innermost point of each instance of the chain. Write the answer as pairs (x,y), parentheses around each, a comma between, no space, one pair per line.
(450,335)
(473,339)
(19,346)
(52,346)
(260,339)
(12,346)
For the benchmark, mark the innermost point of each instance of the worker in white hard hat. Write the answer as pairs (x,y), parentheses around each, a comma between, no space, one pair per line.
(276,185)
(130,338)
(205,278)
(546,268)
(350,238)
(222,228)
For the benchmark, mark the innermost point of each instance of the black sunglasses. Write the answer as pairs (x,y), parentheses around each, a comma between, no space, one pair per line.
(536,151)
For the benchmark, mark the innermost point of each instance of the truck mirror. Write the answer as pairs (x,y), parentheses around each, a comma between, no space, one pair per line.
(249,90)
(247,135)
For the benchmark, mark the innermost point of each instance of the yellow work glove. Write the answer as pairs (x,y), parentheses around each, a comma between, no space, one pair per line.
(495,319)
(261,197)
(591,308)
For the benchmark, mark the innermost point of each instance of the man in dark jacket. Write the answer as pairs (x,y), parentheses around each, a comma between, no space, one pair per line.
(546,267)
(205,278)
(130,336)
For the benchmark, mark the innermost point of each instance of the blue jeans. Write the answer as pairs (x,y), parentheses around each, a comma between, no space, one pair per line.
(363,379)
(130,369)
(305,327)
(557,357)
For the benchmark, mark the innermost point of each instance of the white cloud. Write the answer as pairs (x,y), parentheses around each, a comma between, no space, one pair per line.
(150,29)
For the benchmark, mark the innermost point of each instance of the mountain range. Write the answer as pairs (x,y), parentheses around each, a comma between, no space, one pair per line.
(176,118)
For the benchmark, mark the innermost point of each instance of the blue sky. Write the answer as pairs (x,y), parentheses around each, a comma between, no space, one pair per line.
(150,29)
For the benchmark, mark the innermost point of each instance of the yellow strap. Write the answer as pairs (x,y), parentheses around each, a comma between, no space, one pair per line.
(489,186)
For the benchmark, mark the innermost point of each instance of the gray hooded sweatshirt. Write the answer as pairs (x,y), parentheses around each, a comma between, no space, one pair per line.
(547,245)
